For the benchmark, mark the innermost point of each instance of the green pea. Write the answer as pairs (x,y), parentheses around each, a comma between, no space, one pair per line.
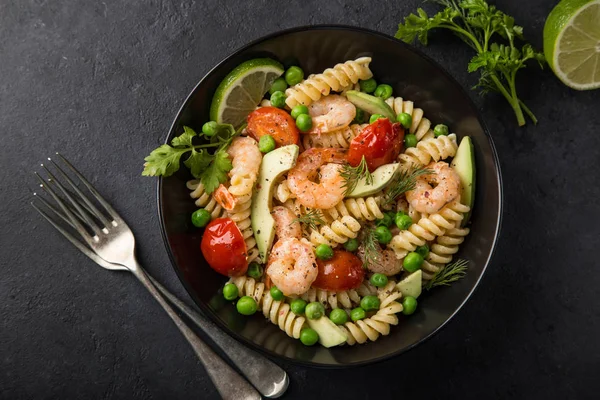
(409,305)
(440,130)
(278,99)
(278,85)
(403,221)
(358,314)
(299,109)
(210,128)
(338,316)
(324,252)
(370,303)
(368,85)
(360,117)
(298,306)
(423,250)
(410,140)
(200,218)
(246,305)
(351,245)
(412,261)
(276,294)
(314,310)
(405,120)
(383,235)
(375,117)
(230,291)
(255,270)
(266,143)
(378,280)
(294,75)
(304,122)
(309,336)
(386,221)
(384,91)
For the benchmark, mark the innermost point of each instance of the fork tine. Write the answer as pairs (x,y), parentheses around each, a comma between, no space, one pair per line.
(99,198)
(74,221)
(92,224)
(90,206)
(51,207)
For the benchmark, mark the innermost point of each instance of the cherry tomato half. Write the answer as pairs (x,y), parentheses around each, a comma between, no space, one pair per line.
(275,122)
(380,143)
(224,248)
(342,272)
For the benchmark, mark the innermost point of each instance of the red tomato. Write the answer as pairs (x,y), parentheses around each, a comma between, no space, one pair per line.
(275,122)
(343,272)
(380,143)
(224,248)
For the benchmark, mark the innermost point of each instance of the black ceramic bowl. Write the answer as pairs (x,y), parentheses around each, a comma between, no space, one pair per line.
(412,76)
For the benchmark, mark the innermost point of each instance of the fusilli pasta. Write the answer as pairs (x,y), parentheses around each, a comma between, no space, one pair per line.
(346,299)
(338,232)
(420,126)
(241,216)
(426,229)
(340,138)
(438,148)
(282,192)
(337,79)
(362,208)
(203,199)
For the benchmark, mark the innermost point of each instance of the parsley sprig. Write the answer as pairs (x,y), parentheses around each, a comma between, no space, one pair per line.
(208,162)
(477,23)
(401,183)
(450,273)
(351,175)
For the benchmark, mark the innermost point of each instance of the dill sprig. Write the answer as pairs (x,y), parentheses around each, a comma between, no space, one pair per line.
(450,273)
(352,175)
(403,182)
(311,219)
(370,245)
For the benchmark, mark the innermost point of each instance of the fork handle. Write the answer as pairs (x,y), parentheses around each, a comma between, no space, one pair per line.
(228,382)
(270,379)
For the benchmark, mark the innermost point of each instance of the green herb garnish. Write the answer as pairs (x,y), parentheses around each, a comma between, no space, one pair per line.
(476,23)
(208,162)
(352,175)
(311,219)
(450,273)
(401,183)
(370,246)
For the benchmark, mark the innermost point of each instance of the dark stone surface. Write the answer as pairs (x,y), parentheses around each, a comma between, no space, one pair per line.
(101,81)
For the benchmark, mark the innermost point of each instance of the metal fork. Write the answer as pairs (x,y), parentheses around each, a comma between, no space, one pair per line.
(111,244)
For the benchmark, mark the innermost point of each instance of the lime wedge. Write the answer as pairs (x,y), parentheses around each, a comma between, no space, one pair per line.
(572,43)
(242,90)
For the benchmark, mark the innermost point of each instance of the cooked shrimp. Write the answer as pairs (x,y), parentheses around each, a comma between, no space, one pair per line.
(384,262)
(245,159)
(292,266)
(429,199)
(313,164)
(285,227)
(331,113)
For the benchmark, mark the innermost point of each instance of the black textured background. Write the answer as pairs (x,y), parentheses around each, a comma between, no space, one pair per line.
(101,81)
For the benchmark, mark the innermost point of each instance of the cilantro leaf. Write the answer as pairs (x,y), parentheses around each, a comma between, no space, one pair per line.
(216,172)
(185,139)
(198,161)
(163,161)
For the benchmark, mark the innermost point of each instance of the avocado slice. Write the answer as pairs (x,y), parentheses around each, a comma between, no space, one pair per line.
(371,104)
(464,165)
(274,164)
(411,285)
(329,333)
(381,177)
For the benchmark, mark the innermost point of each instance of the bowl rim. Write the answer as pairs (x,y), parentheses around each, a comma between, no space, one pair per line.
(204,308)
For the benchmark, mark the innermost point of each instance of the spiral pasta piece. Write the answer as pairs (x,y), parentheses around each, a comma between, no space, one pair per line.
(437,148)
(346,299)
(241,216)
(282,192)
(338,232)
(203,199)
(446,246)
(340,138)
(378,324)
(362,208)
(337,79)
(278,312)
(420,126)
(427,229)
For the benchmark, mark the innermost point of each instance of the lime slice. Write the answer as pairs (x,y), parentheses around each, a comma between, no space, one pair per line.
(242,89)
(572,43)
